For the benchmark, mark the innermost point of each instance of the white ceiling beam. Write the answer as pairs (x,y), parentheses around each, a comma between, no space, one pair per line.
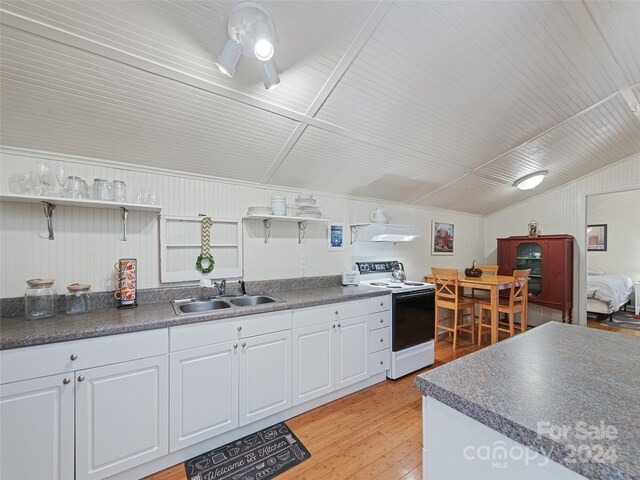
(343,65)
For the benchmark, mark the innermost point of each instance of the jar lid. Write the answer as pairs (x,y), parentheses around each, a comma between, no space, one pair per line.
(78,287)
(40,282)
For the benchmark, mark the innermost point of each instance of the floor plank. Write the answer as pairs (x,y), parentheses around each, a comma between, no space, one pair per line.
(375,433)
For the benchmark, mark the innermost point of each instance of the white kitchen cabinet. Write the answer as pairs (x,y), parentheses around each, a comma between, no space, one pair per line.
(204,393)
(54,424)
(265,376)
(36,438)
(330,348)
(313,368)
(121,416)
(352,351)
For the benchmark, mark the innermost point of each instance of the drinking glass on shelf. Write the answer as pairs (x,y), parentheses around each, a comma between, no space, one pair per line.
(119,191)
(84,190)
(45,177)
(74,187)
(102,189)
(60,177)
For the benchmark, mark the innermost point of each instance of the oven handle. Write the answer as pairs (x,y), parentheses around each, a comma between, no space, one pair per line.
(413,295)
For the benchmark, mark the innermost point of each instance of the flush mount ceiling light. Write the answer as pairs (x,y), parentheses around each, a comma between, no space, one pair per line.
(251,34)
(531,181)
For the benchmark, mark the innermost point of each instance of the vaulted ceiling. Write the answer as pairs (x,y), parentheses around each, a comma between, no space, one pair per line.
(441,104)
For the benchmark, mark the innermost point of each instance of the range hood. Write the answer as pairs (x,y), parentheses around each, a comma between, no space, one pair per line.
(379,232)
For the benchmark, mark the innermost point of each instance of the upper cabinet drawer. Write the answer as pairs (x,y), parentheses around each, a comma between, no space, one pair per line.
(379,320)
(379,304)
(218,331)
(40,360)
(305,317)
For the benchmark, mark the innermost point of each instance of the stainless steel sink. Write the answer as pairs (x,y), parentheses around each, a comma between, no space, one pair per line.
(194,305)
(182,307)
(247,300)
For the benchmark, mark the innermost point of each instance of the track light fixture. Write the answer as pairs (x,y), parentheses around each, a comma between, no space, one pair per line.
(531,181)
(251,34)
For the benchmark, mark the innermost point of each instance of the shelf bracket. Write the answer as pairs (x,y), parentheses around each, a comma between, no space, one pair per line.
(125,213)
(302,226)
(267,229)
(354,233)
(48,213)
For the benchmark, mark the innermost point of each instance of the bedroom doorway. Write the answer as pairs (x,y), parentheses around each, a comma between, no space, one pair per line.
(612,257)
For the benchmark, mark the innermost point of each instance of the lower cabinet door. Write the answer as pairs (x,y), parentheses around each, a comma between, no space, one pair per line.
(313,362)
(265,376)
(204,393)
(352,351)
(121,416)
(36,436)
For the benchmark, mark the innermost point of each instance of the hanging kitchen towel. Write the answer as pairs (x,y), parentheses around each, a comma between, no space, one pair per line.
(205,254)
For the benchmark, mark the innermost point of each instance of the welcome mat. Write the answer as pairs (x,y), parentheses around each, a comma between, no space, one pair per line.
(260,456)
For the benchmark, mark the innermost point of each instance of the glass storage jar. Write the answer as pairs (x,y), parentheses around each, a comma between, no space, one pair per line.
(40,298)
(78,299)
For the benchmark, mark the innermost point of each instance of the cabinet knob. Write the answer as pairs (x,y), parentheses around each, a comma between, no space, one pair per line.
(81,378)
(382,304)
(235,345)
(239,328)
(382,340)
(381,362)
(382,320)
(336,312)
(66,381)
(339,325)
(244,344)
(333,326)
(74,356)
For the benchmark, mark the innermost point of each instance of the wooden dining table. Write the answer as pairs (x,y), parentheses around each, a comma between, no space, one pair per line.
(493,284)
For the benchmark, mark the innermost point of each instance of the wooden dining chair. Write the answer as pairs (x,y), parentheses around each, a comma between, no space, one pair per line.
(516,303)
(448,296)
(486,270)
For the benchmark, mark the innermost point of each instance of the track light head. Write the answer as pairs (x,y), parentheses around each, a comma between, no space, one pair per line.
(270,76)
(262,42)
(228,58)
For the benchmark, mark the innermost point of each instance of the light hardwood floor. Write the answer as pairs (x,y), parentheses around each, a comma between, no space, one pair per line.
(375,433)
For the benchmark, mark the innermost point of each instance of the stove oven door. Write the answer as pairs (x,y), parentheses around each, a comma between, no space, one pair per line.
(413,321)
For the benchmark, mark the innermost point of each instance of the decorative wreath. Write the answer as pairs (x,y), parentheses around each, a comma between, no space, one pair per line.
(206,257)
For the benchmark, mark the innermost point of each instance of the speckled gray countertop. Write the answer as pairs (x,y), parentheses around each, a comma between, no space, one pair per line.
(557,373)
(19,332)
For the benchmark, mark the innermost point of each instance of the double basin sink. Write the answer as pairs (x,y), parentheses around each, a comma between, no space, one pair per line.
(195,305)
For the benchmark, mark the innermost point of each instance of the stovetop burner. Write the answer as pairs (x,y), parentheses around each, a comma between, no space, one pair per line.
(379,284)
(394,286)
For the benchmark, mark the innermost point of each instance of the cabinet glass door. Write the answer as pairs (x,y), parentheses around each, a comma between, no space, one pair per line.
(529,255)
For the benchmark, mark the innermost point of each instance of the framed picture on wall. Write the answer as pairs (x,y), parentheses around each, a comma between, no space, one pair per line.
(336,237)
(442,238)
(597,238)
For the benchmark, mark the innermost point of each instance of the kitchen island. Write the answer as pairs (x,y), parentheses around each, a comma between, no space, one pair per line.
(560,401)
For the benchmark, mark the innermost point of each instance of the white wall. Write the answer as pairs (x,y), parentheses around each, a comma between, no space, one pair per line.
(87,241)
(623,232)
(563,210)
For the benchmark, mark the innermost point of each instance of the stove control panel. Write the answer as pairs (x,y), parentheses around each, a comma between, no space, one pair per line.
(377,267)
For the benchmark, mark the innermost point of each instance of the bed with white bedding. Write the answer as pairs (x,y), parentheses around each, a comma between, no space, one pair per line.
(607,292)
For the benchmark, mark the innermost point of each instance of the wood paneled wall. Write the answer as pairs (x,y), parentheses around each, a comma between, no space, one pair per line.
(88,242)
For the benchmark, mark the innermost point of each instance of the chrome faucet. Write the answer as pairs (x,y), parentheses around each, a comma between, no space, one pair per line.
(222,287)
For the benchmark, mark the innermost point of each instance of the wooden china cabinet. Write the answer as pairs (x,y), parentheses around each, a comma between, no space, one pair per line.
(550,258)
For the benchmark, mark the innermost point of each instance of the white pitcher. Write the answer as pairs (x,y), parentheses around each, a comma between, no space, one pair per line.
(377,216)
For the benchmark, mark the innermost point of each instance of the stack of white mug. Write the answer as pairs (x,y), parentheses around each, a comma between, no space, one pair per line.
(279,205)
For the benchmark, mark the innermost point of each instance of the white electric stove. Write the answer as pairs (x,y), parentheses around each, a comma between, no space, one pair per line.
(412,317)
